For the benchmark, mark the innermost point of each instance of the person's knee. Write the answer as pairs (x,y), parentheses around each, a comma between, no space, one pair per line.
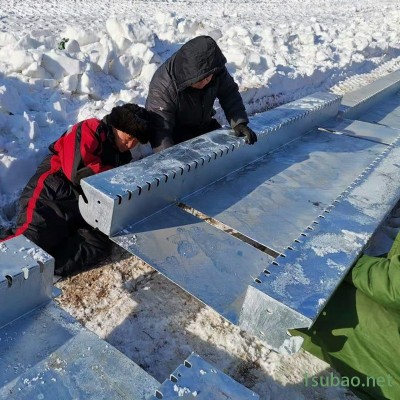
(86,248)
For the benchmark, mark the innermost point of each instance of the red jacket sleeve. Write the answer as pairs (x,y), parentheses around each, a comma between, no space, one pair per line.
(80,150)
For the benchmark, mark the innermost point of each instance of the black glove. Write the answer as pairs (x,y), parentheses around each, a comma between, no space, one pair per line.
(243,130)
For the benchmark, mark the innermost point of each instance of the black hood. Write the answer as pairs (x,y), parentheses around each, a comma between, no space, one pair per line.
(195,60)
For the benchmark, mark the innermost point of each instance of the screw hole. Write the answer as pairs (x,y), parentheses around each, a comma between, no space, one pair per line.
(187,364)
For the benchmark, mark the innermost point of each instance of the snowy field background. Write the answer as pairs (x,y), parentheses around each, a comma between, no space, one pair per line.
(63,61)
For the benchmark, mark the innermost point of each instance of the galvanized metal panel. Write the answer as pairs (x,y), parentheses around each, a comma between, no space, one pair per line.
(274,198)
(363,130)
(26,278)
(46,354)
(132,192)
(198,379)
(387,112)
(305,277)
(365,99)
(206,262)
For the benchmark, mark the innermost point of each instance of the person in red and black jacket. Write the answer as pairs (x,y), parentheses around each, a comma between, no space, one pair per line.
(48,212)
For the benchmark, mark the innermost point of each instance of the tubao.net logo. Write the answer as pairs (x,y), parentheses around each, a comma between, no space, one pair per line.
(333,380)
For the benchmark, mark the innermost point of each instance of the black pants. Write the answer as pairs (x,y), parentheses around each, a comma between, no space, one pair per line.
(85,248)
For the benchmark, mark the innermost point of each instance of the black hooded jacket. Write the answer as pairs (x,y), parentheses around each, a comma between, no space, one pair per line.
(180,112)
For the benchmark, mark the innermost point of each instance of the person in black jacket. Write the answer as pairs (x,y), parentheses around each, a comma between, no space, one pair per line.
(48,212)
(182,94)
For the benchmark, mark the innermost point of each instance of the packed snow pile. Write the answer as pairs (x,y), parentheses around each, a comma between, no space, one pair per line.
(53,74)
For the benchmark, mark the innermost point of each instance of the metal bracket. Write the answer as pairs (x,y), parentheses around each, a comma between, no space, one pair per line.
(198,379)
(26,278)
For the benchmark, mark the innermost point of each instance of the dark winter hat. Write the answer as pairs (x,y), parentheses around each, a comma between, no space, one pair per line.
(195,60)
(131,119)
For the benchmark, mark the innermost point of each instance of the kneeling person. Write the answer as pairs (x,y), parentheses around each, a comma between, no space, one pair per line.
(48,212)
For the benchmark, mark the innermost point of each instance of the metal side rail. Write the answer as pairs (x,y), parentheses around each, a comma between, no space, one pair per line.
(26,278)
(362,100)
(128,194)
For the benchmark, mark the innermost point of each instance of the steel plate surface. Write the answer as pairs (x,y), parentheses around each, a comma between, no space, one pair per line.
(208,263)
(274,198)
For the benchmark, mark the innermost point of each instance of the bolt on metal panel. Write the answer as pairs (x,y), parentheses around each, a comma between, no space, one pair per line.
(26,278)
(198,379)
(307,274)
(135,191)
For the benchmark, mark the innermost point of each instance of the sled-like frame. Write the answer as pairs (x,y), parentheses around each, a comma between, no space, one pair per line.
(289,215)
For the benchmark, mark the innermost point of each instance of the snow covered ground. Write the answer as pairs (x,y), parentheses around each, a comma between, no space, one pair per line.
(63,61)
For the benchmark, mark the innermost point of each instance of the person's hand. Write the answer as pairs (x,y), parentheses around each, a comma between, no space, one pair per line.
(243,130)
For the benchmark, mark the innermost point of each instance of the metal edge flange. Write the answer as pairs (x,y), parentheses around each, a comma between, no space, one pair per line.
(197,378)
(27,278)
(360,100)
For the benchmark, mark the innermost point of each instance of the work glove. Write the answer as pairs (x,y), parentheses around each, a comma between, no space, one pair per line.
(243,130)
